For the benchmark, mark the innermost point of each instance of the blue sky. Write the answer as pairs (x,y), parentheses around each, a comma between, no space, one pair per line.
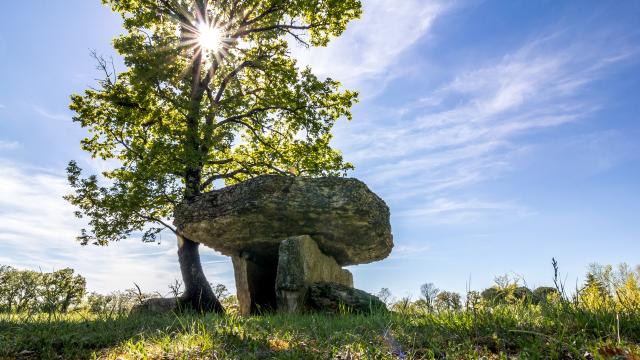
(501,134)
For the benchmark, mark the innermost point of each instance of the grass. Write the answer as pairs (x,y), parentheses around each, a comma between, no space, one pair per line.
(558,331)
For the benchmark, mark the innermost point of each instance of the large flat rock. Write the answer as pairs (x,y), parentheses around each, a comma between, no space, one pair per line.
(347,220)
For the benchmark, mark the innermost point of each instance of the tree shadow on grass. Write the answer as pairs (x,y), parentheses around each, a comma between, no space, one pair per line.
(77,336)
(107,337)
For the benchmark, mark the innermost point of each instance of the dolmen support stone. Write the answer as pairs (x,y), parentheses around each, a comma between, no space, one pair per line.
(300,265)
(334,298)
(286,233)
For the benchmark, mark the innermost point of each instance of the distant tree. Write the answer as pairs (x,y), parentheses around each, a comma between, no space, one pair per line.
(472,300)
(448,300)
(421,304)
(606,287)
(30,291)
(493,295)
(384,295)
(429,293)
(523,294)
(507,295)
(221,291)
(211,93)
(117,302)
(7,288)
(60,290)
(544,293)
(26,290)
(600,277)
(594,294)
(403,305)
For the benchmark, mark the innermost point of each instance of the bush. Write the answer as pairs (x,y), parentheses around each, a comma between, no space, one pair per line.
(116,302)
(543,294)
(447,300)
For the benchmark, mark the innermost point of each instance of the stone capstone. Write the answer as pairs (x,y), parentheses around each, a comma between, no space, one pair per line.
(335,298)
(300,264)
(348,221)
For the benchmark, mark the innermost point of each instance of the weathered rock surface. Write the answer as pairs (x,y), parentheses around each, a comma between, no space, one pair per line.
(347,220)
(300,264)
(156,306)
(333,298)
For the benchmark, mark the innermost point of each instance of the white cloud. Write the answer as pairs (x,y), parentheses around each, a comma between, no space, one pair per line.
(451,211)
(37,231)
(9,145)
(471,128)
(366,51)
(404,251)
(50,115)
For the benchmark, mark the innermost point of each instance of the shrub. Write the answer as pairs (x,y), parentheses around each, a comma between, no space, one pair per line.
(448,300)
(544,294)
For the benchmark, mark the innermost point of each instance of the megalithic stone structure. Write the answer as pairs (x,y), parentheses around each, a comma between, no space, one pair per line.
(287,233)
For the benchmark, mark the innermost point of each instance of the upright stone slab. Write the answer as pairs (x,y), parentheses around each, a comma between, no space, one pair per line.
(300,264)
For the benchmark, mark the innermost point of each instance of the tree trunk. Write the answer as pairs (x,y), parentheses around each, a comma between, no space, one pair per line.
(198,294)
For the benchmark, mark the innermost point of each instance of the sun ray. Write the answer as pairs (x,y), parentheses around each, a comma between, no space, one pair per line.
(210,37)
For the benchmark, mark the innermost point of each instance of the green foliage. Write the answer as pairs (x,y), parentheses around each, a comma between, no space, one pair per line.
(544,294)
(609,288)
(31,291)
(507,291)
(448,301)
(117,302)
(473,300)
(179,119)
(61,290)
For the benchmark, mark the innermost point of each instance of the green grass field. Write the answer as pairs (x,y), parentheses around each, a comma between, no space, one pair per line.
(557,331)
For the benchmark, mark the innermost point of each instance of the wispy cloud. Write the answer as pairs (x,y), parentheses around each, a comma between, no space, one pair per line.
(449,211)
(50,115)
(9,145)
(37,230)
(472,127)
(371,45)
(404,251)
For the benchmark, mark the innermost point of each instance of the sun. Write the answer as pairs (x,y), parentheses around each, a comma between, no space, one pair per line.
(209,37)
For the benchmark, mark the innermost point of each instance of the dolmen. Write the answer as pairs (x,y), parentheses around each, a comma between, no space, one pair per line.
(289,238)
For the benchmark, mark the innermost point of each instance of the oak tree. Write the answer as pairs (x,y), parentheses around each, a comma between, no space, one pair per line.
(210,96)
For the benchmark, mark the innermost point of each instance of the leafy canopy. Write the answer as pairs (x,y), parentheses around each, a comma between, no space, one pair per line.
(180,118)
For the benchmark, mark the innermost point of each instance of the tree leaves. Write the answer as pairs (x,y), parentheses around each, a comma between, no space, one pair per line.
(178,120)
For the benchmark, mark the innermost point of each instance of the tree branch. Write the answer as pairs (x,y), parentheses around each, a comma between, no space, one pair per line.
(231,75)
(213,178)
(285,27)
